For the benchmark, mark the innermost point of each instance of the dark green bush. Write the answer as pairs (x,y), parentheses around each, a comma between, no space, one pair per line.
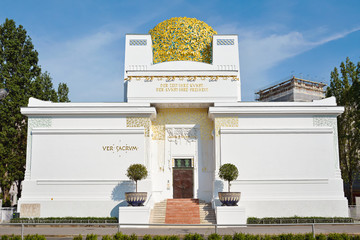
(91,237)
(338,236)
(106,237)
(227,237)
(252,237)
(121,236)
(214,236)
(35,237)
(78,237)
(157,237)
(239,236)
(66,220)
(147,237)
(133,237)
(193,236)
(297,220)
(174,237)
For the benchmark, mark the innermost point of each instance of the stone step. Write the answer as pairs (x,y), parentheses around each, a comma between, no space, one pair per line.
(157,214)
(183,211)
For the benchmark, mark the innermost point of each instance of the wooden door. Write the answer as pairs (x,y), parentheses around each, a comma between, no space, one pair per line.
(183,179)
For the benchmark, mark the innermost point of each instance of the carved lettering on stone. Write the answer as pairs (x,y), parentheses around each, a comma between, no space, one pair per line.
(176,134)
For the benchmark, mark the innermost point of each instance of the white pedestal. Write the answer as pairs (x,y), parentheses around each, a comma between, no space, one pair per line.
(134,215)
(230,215)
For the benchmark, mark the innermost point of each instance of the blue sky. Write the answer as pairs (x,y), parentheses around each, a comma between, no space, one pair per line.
(81,43)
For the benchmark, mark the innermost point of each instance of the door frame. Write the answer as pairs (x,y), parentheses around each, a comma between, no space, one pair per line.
(170,155)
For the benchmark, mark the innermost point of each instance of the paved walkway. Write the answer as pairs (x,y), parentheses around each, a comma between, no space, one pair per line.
(70,231)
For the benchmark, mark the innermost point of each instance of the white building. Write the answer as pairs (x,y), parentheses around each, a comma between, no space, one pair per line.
(286,152)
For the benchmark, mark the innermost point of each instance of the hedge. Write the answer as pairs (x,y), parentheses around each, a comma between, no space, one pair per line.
(297,220)
(66,220)
(196,236)
(236,236)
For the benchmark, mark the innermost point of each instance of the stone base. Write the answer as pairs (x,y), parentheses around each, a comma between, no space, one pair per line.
(230,215)
(136,215)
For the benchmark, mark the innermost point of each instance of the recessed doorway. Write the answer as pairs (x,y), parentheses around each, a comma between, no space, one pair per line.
(183,178)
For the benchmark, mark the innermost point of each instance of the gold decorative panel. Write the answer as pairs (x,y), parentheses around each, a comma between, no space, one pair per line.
(225,122)
(182,116)
(139,122)
(182,39)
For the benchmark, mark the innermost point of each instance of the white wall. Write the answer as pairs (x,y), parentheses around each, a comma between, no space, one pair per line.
(85,154)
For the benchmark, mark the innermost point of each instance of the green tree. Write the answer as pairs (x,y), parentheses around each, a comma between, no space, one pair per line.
(21,74)
(136,172)
(42,88)
(63,92)
(18,67)
(228,172)
(345,87)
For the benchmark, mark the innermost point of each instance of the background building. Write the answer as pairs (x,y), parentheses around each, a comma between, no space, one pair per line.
(292,90)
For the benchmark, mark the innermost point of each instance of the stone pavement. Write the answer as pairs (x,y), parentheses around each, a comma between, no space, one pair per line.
(70,231)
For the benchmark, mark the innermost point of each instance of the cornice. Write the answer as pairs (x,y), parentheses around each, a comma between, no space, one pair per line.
(276,110)
(89,111)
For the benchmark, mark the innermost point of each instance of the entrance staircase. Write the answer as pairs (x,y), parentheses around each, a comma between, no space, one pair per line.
(183,211)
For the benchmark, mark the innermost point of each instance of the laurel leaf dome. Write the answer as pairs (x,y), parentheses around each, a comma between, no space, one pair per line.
(182,39)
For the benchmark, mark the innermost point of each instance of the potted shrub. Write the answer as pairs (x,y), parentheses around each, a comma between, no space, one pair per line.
(136,172)
(229,172)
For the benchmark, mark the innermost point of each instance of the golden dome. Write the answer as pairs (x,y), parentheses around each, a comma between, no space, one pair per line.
(182,39)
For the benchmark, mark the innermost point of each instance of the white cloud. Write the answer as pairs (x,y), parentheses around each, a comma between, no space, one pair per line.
(260,52)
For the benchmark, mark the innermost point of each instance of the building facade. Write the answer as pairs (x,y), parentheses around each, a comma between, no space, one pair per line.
(183,119)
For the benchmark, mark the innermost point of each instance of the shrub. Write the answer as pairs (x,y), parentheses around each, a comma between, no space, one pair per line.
(66,220)
(136,172)
(194,236)
(320,237)
(133,237)
(106,237)
(147,237)
(118,236)
(157,237)
(295,219)
(228,172)
(91,237)
(174,237)
(227,237)
(214,236)
(35,237)
(239,236)
(79,237)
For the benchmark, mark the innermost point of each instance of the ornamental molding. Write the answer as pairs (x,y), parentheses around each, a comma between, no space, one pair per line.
(182,78)
(170,117)
(325,121)
(39,123)
(220,122)
(323,130)
(176,134)
(136,122)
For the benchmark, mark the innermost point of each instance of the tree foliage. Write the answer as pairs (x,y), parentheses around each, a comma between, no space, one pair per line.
(228,172)
(136,172)
(345,86)
(21,74)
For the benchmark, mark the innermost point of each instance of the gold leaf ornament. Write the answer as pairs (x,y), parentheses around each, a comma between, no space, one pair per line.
(182,39)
